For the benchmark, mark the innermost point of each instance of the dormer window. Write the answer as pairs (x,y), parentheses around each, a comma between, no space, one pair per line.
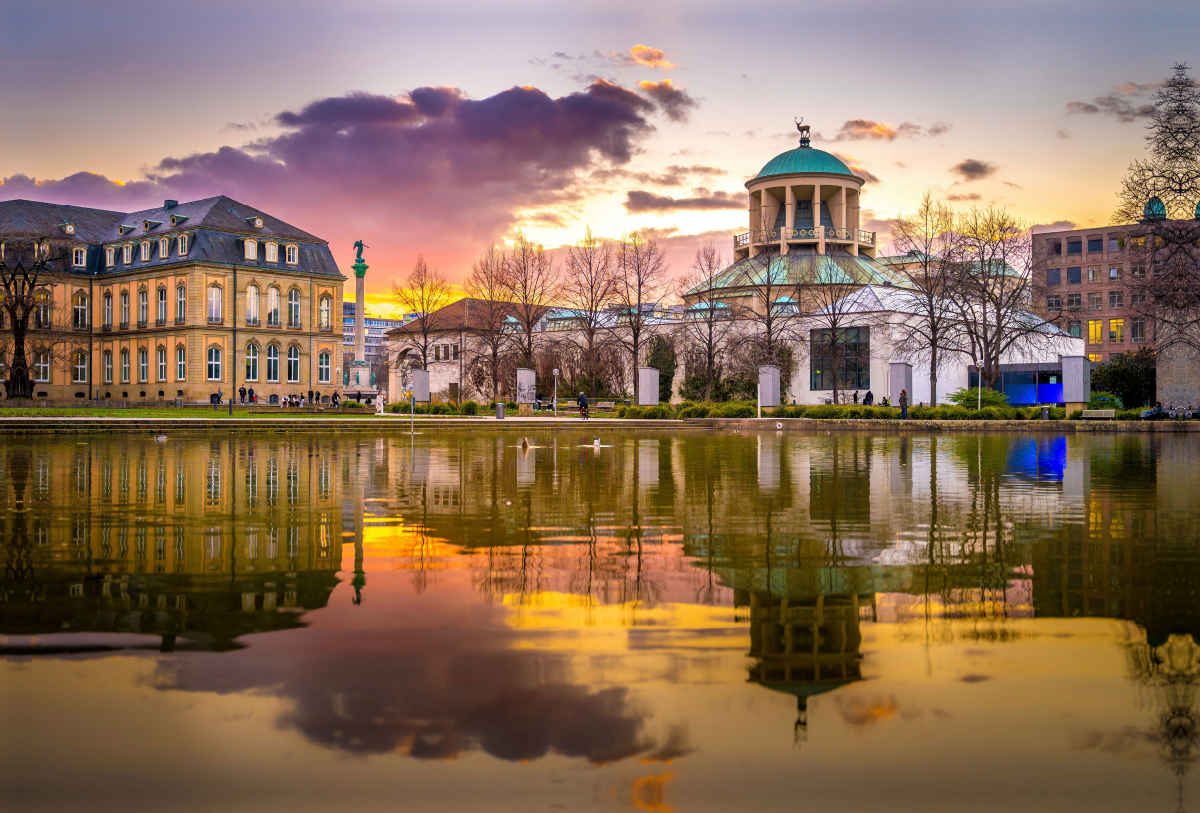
(177,219)
(124,230)
(110,257)
(145,251)
(272,253)
(127,254)
(78,257)
(183,244)
(164,248)
(147,225)
(293,255)
(256,222)
(69,228)
(251,249)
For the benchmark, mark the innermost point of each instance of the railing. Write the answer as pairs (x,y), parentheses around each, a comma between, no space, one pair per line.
(866,238)
(179,320)
(251,321)
(216,320)
(293,325)
(106,328)
(141,324)
(272,321)
(160,322)
(124,326)
(741,240)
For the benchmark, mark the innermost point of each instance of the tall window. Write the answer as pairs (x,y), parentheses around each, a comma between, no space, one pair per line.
(80,310)
(323,368)
(1114,272)
(252,362)
(124,366)
(143,365)
(293,255)
(164,248)
(41,366)
(1053,276)
(180,303)
(108,310)
(1137,330)
(183,244)
(1116,331)
(293,308)
(215,304)
(107,366)
(1093,273)
(41,309)
(293,364)
(214,364)
(1075,330)
(162,306)
(272,363)
(79,257)
(110,257)
(272,252)
(124,308)
(162,364)
(143,306)
(81,368)
(846,354)
(1116,299)
(127,254)
(1095,331)
(273,306)
(251,249)
(145,251)
(252,304)
(326,313)
(180,364)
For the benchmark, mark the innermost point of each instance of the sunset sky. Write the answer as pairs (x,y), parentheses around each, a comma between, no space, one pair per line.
(443,127)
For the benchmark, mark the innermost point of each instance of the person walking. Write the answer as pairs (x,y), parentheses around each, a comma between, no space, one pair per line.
(903,403)
(869,398)
(856,396)
(242,395)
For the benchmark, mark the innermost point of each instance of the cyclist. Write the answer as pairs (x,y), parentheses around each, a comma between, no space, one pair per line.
(583,405)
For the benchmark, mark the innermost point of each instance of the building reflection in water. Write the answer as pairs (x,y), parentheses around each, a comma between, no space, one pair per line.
(198,543)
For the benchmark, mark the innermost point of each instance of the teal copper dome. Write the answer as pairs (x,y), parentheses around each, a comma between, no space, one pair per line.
(1155,210)
(802,161)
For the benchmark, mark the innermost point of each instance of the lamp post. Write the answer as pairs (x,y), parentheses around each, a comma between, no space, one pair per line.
(556,392)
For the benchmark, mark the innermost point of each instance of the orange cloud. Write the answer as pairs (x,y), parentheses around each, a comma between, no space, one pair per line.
(650,57)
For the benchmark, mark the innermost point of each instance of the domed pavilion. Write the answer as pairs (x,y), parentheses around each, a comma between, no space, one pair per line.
(804,208)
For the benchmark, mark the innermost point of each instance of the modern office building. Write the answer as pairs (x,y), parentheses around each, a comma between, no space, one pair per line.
(1084,274)
(179,301)
(375,330)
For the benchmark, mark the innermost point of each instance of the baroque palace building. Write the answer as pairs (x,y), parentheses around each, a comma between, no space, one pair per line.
(181,301)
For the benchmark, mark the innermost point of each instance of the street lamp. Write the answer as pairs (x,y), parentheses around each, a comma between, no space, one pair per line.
(556,392)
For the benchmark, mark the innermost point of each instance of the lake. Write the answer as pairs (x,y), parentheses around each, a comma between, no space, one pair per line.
(673,621)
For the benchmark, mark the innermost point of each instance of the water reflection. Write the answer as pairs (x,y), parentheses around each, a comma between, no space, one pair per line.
(525,602)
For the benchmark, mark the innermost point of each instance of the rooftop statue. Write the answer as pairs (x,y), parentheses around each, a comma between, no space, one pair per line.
(359,245)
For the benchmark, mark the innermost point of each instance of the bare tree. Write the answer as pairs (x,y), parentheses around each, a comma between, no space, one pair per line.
(531,286)
(589,287)
(488,311)
(709,322)
(641,277)
(424,293)
(994,289)
(30,268)
(928,328)
(837,326)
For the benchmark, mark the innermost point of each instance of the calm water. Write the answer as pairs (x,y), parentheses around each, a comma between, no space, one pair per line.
(694,622)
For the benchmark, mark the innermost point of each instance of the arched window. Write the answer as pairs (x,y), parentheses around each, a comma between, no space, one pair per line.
(216,304)
(293,308)
(272,252)
(214,364)
(273,363)
(164,247)
(41,309)
(162,306)
(326,313)
(143,365)
(162,363)
(180,304)
(80,372)
(293,254)
(124,309)
(108,310)
(252,304)
(127,254)
(252,362)
(183,244)
(273,306)
(293,369)
(145,251)
(79,257)
(80,310)
(107,366)
(251,249)
(143,307)
(180,364)
(323,368)
(41,366)
(124,366)
(110,257)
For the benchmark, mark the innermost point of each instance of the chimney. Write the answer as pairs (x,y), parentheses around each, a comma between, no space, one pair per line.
(170,204)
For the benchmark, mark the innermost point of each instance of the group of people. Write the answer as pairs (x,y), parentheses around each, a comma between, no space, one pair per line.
(869,400)
(248,396)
